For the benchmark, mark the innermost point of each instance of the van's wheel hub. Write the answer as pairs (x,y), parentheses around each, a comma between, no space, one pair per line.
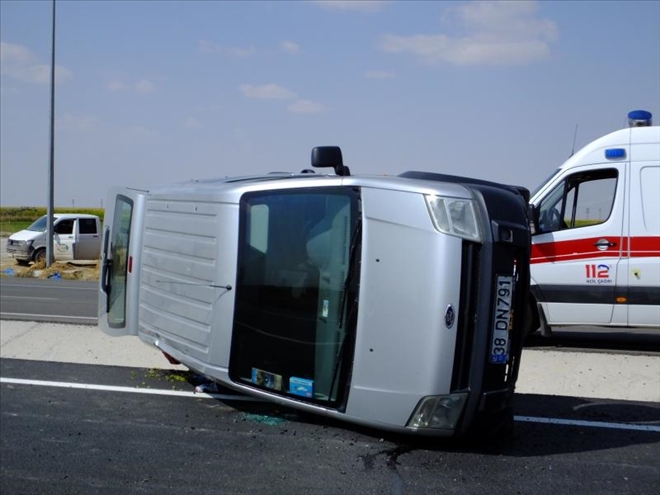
(40,256)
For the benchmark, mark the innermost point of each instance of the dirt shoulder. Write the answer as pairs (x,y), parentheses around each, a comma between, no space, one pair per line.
(68,270)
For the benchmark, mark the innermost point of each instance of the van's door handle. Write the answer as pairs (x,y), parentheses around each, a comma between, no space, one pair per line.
(106,273)
(603,244)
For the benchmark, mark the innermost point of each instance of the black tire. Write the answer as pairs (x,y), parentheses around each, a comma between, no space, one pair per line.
(39,255)
(531,323)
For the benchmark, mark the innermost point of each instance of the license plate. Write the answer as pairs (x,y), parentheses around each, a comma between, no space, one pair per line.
(499,349)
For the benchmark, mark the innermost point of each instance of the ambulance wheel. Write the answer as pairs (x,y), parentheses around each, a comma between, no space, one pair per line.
(39,255)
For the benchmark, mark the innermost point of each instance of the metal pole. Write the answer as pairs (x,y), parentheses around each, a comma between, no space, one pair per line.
(51,168)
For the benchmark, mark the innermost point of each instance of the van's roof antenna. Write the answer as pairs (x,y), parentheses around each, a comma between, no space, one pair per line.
(574,139)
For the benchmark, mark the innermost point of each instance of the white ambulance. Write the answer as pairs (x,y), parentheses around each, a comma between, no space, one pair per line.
(596,237)
(394,302)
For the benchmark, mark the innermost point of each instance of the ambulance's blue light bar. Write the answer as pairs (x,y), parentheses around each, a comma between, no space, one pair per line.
(639,118)
(615,153)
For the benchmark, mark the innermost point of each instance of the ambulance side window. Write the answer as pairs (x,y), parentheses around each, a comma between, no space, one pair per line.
(550,209)
(580,200)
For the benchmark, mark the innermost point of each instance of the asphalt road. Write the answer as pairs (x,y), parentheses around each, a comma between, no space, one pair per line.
(66,301)
(91,439)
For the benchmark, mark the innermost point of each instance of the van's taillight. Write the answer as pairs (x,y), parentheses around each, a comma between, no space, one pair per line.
(130,264)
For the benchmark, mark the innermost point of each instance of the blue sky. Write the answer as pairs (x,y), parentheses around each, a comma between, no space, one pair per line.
(156,92)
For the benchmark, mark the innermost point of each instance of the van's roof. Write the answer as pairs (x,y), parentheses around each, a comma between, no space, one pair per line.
(232,188)
(73,215)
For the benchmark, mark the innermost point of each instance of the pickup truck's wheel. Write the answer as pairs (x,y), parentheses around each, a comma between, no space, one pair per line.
(39,255)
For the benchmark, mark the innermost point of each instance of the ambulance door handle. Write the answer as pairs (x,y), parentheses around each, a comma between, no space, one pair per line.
(603,244)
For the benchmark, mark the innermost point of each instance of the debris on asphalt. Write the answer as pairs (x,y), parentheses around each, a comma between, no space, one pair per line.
(207,387)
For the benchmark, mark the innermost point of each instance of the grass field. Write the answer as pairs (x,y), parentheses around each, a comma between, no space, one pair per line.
(13,219)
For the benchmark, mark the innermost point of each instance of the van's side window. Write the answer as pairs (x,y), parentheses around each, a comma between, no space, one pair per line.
(64,227)
(580,200)
(87,226)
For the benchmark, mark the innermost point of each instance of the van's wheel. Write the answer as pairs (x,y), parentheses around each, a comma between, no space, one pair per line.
(39,255)
(531,323)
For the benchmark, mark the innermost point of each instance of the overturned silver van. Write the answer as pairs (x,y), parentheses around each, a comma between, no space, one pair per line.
(395,302)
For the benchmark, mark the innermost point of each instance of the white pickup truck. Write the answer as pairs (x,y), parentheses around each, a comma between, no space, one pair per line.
(76,236)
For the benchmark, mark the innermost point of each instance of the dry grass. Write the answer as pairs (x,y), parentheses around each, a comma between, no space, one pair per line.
(67,270)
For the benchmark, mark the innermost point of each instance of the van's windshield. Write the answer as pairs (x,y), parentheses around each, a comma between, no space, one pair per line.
(292,330)
(39,225)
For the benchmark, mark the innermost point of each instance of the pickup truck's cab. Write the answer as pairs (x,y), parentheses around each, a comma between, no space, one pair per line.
(75,237)
(596,247)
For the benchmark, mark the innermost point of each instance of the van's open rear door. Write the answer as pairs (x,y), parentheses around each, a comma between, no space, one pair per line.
(119,282)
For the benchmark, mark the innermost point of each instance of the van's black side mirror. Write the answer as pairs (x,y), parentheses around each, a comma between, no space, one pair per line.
(533,217)
(329,156)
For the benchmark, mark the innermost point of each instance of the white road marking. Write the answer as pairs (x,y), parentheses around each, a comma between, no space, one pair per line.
(593,424)
(243,398)
(112,388)
(31,297)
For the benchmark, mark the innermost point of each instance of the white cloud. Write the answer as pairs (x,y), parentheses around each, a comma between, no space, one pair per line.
(230,51)
(116,86)
(275,92)
(306,106)
(497,33)
(10,52)
(191,122)
(266,92)
(70,122)
(144,86)
(18,62)
(505,19)
(354,5)
(379,74)
(290,47)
